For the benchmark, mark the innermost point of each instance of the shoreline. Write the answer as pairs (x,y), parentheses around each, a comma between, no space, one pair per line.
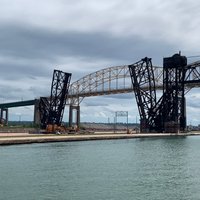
(25,138)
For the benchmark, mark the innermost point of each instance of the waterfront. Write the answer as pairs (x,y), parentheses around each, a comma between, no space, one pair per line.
(151,168)
(21,138)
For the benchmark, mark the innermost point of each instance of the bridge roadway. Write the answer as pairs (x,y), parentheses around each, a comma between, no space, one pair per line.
(17,104)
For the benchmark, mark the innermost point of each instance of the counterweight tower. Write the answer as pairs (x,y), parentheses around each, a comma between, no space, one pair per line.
(168,113)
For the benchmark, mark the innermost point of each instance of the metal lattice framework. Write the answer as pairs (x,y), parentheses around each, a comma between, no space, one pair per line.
(192,74)
(169,113)
(173,111)
(142,75)
(117,80)
(59,92)
(112,80)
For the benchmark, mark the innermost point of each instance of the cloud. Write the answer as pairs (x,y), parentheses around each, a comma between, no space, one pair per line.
(30,53)
(169,21)
(193,99)
(32,43)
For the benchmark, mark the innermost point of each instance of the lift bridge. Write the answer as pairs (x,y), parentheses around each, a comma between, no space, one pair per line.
(175,79)
(168,113)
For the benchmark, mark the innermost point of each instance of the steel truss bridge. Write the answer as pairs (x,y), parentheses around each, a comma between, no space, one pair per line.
(117,80)
(111,80)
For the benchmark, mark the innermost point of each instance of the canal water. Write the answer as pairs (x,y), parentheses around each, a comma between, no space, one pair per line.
(150,169)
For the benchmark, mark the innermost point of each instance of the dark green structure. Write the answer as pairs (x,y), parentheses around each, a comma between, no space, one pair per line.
(5,106)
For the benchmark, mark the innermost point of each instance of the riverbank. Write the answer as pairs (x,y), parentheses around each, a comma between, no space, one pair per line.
(25,138)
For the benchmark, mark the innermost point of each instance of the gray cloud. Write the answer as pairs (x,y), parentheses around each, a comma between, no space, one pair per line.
(34,43)
(8,92)
(33,52)
(193,98)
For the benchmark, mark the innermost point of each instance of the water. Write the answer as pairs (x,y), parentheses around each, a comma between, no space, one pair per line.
(165,168)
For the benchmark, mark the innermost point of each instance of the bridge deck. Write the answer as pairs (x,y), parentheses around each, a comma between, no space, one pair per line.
(17,104)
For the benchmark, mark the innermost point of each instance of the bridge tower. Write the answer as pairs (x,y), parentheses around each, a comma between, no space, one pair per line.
(168,114)
(52,109)
(173,109)
(143,81)
(59,92)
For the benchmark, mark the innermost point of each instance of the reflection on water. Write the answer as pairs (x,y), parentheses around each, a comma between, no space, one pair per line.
(165,168)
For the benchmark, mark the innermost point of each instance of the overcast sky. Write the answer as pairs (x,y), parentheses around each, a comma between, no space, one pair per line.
(83,36)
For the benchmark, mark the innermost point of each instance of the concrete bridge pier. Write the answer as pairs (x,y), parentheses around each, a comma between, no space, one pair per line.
(4,118)
(75,108)
(36,117)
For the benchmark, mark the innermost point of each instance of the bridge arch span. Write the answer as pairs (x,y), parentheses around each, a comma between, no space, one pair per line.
(111,80)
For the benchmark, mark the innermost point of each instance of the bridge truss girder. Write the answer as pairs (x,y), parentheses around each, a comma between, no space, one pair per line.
(112,80)
(169,113)
(142,76)
(59,92)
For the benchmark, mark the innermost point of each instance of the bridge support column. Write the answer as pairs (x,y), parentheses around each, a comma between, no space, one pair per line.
(71,114)
(36,113)
(4,119)
(1,117)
